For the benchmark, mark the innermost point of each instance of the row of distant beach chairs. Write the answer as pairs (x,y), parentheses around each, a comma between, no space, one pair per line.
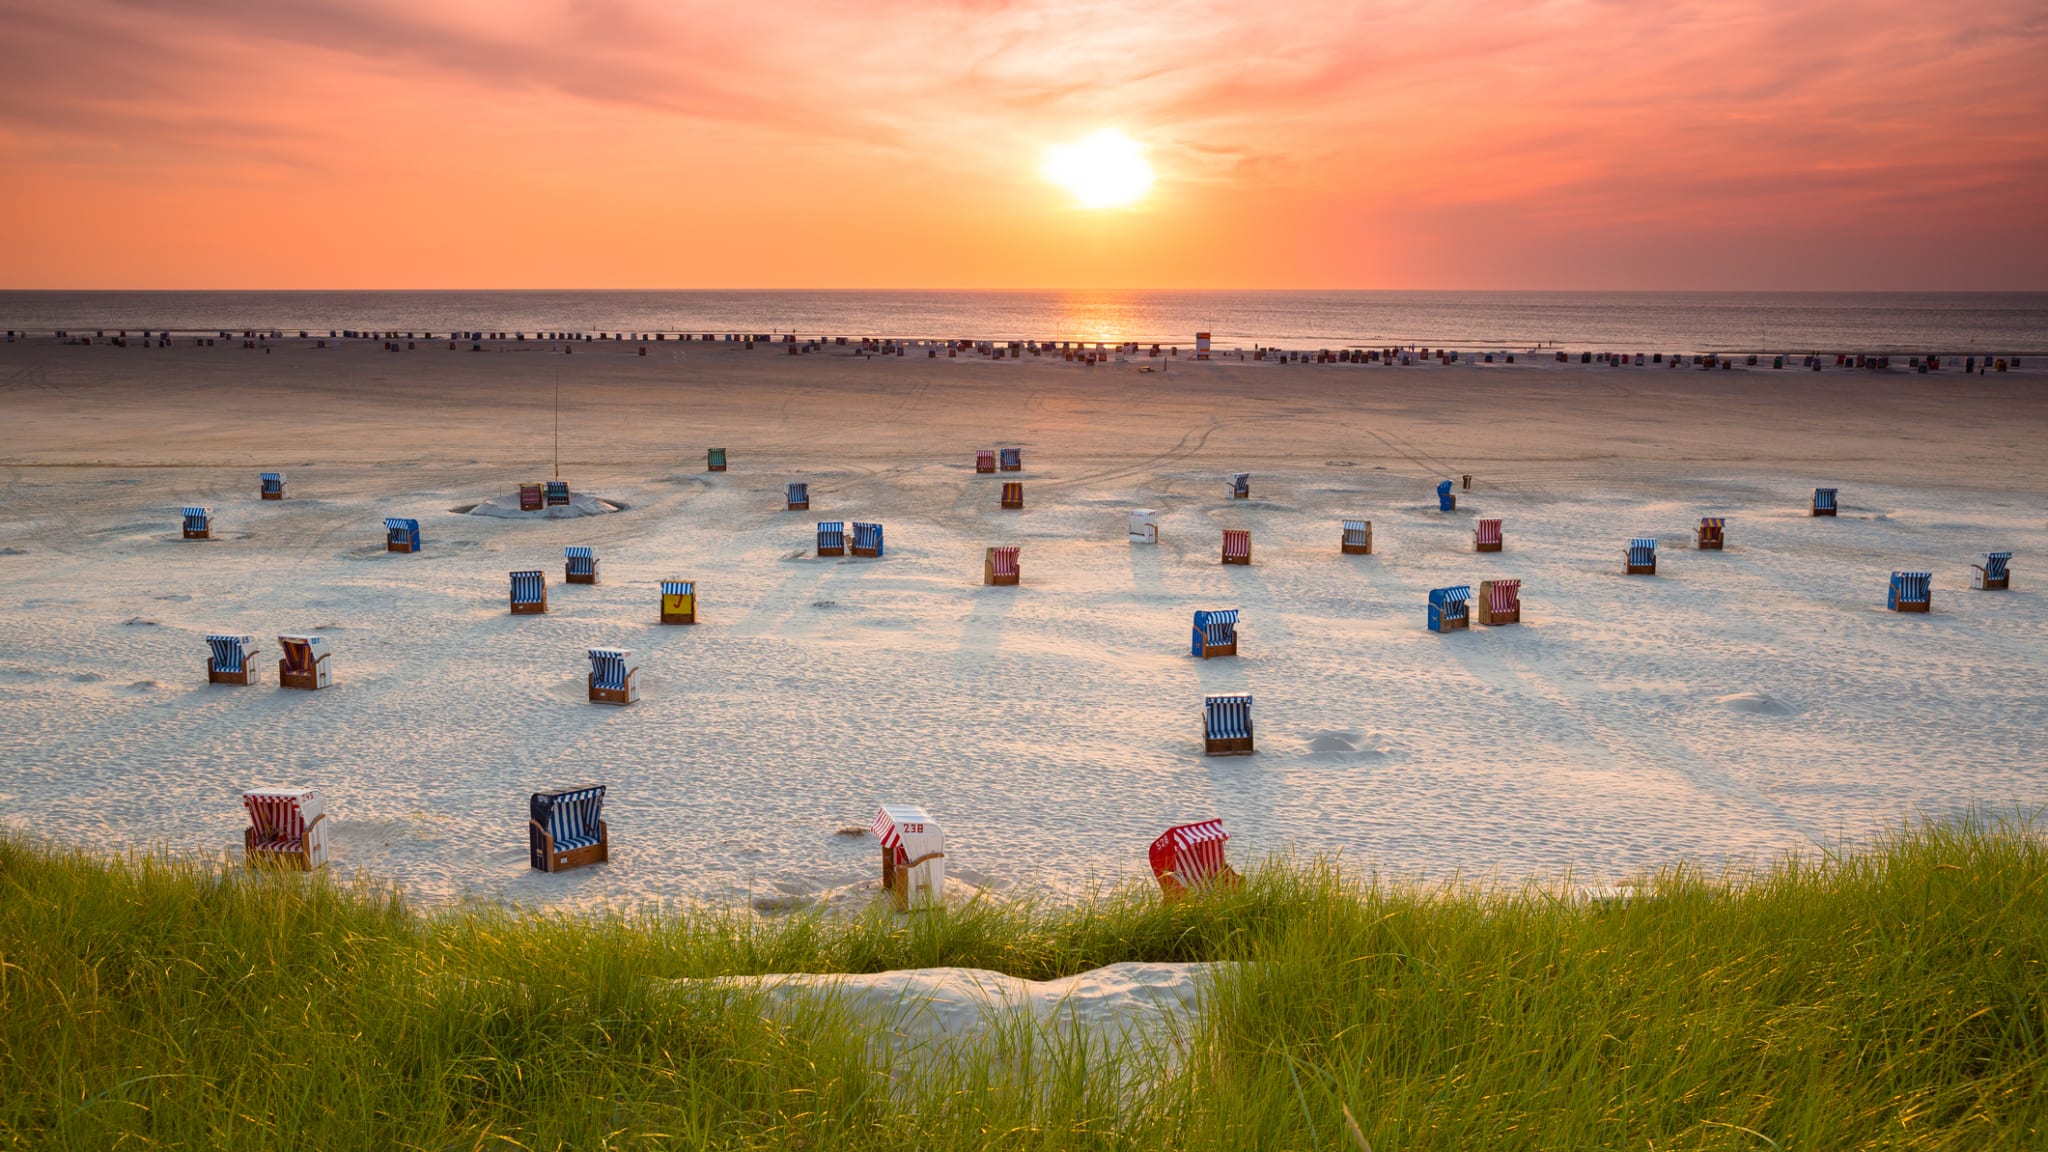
(566,829)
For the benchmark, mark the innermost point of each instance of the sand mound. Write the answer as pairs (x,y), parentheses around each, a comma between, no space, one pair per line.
(1753,703)
(507,508)
(1333,742)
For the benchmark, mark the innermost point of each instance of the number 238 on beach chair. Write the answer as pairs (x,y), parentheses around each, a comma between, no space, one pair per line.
(1823,501)
(1450,608)
(999,566)
(1713,532)
(529,593)
(1445,502)
(1189,858)
(401,535)
(273,485)
(913,856)
(1499,602)
(1486,536)
(832,538)
(285,827)
(678,602)
(231,662)
(304,663)
(1237,546)
(564,829)
(579,564)
(1642,556)
(198,523)
(1992,573)
(1227,725)
(614,676)
(797,495)
(1215,633)
(1357,539)
(1910,592)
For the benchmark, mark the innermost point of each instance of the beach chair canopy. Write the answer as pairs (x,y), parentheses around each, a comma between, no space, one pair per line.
(1443,488)
(1227,717)
(1995,563)
(1003,561)
(1213,628)
(1504,596)
(1487,532)
(231,653)
(1190,853)
(1642,550)
(831,533)
(570,815)
(1354,527)
(301,653)
(610,666)
(1452,598)
(529,587)
(867,536)
(396,524)
(280,816)
(196,517)
(1713,521)
(272,481)
(907,832)
(580,559)
(798,492)
(1824,497)
(678,587)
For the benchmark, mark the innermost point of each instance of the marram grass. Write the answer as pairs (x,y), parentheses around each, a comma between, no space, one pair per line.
(1890,998)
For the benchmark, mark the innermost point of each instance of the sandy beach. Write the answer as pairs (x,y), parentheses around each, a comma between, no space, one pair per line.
(1735,705)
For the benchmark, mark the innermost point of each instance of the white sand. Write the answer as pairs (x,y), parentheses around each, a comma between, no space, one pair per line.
(1736,705)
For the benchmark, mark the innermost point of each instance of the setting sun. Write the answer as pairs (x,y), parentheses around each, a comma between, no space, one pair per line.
(1105,170)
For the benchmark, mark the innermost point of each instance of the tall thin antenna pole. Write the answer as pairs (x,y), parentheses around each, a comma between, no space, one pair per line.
(558,423)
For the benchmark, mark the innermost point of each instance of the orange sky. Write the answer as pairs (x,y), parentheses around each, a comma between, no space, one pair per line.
(639,144)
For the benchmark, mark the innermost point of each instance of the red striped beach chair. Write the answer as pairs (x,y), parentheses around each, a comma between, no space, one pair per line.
(285,828)
(913,856)
(1499,602)
(1237,546)
(999,566)
(1713,532)
(532,498)
(529,593)
(1486,536)
(230,661)
(1189,858)
(304,663)
(1013,494)
(984,461)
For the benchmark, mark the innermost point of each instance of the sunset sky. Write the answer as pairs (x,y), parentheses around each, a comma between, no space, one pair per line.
(1295,144)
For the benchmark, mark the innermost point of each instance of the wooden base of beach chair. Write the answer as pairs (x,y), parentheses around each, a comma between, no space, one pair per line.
(799,505)
(993,580)
(1017,503)
(626,695)
(1493,547)
(1209,650)
(1171,889)
(824,550)
(1649,569)
(1456,625)
(1913,606)
(198,533)
(273,495)
(1448,504)
(679,617)
(562,861)
(537,608)
(1229,559)
(1240,495)
(1983,583)
(896,878)
(286,678)
(980,470)
(714,468)
(1484,615)
(1823,511)
(215,676)
(1356,549)
(1710,543)
(274,855)
(1012,468)
(1228,746)
(579,577)
(390,547)
(868,552)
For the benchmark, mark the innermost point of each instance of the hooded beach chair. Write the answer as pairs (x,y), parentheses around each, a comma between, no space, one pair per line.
(1486,536)
(272,485)
(529,593)
(913,856)
(678,601)
(565,829)
(304,663)
(1227,724)
(798,495)
(1215,633)
(1450,608)
(230,661)
(1499,602)
(1465,482)
(999,566)
(532,497)
(1189,858)
(558,493)
(1144,526)
(832,538)
(579,565)
(1713,532)
(714,459)
(1013,459)
(1823,501)
(1237,546)
(613,678)
(867,539)
(1910,592)
(1241,486)
(285,827)
(1357,538)
(198,523)
(1445,502)
(1990,574)
(1013,494)
(984,462)
(1642,556)
(401,535)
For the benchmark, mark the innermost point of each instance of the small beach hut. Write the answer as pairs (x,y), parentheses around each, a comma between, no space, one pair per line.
(678,601)
(1227,724)
(832,538)
(1237,546)
(1823,501)
(198,523)
(1215,633)
(1189,858)
(984,461)
(304,663)
(714,459)
(1499,602)
(1357,538)
(579,564)
(558,493)
(1465,482)
(565,829)
(1486,536)
(1642,556)
(285,827)
(1241,486)
(867,539)
(532,497)
(913,856)
(1445,502)
(401,534)
(798,495)
(529,593)
(1990,574)
(999,566)
(1144,526)
(1449,608)
(1013,460)
(613,676)
(272,485)
(1712,532)
(1013,494)
(229,662)
(1910,592)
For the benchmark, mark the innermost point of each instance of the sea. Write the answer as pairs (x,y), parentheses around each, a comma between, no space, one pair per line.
(1998,323)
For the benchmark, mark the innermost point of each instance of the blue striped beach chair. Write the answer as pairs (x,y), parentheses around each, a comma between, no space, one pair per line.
(1450,608)
(565,829)
(1241,486)
(1823,501)
(1012,460)
(867,539)
(1642,556)
(714,459)
(558,493)
(1910,592)
(1990,574)
(1215,633)
(678,601)
(1357,539)
(831,537)
(304,663)
(198,522)
(401,535)
(1227,724)
(798,495)
(273,485)
(1445,502)
(1713,532)
(579,565)
(230,660)
(529,593)
(613,678)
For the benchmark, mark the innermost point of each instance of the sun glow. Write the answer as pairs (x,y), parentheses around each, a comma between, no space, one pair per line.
(1104,170)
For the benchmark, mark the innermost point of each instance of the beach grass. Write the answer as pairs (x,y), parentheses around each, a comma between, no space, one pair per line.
(1891,997)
